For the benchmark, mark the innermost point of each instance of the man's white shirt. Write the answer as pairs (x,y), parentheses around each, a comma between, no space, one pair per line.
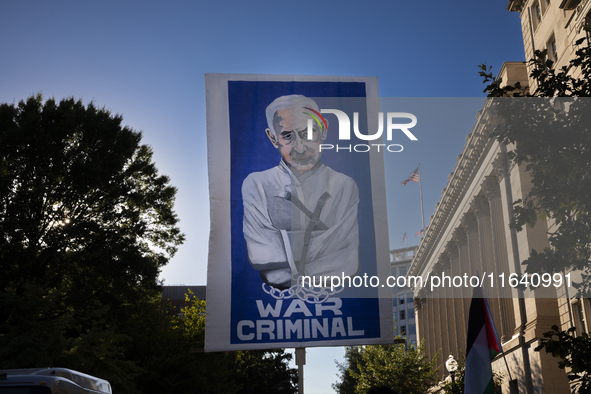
(277,209)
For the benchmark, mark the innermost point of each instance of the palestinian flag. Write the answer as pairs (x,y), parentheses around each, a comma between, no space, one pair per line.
(483,345)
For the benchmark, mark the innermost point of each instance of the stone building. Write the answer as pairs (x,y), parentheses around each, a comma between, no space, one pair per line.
(469,231)
(553,26)
(469,234)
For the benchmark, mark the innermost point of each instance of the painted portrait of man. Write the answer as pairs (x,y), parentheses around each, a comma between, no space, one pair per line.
(300,217)
(282,208)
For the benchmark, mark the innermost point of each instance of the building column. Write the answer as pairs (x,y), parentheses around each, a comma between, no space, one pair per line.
(443,313)
(449,308)
(418,317)
(431,324)
(457,325)
(493,193)
(464,264)
(437,325)
(471,227)
(423,322)
(502,173)
(481,208)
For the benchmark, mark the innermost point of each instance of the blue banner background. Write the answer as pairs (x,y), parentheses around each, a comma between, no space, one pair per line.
(252,151)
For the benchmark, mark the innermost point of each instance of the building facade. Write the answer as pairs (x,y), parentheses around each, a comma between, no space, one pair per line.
(469,235)
(554,26)
(402,296)
(469,232)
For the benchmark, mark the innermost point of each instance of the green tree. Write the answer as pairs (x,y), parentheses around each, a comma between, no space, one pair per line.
(407,370)
(243,372)
(86,223)
(263,372)
(347,382)
(164,353)
(575,354)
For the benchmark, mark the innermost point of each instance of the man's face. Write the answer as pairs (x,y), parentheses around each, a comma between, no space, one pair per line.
(291,129)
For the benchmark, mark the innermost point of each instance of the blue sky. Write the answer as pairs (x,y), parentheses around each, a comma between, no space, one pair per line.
(146,60)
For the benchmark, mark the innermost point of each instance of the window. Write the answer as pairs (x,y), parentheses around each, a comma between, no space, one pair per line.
(394,301)
(402,330)
(569,5)
(580,314)
(413,343)
(402,314)
(412,329)
(545,5)
(409,299)
(401,300)
(395,316)
(402,271)
(551,48)
(411,312)
(393,273)
(536,15)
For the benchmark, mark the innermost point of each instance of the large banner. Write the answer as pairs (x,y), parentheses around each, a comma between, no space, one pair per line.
(293,207)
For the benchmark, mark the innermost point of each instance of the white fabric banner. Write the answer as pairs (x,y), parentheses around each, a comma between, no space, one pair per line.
(294,207)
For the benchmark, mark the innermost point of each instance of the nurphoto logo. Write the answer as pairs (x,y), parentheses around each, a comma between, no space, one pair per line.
(345,129)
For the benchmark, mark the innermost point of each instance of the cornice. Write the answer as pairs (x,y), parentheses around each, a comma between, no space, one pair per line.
(478,144)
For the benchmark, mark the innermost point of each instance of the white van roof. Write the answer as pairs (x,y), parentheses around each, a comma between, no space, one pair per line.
(81,379)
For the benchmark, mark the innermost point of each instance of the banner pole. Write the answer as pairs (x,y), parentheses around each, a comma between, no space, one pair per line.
(300,355)
(421,194)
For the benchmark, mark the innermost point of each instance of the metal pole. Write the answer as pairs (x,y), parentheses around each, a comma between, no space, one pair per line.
(300,354)
(406,243)
(421,194)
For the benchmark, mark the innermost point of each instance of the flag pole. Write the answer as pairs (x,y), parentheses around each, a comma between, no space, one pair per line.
(405,242)
(421,194)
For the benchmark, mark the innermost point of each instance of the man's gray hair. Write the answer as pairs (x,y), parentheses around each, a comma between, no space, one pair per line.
(296,101)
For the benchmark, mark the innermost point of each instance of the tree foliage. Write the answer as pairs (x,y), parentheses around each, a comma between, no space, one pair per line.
(263,372)
(347,383)
(86,223)
(406,370)
(244,372)
(575,354)
(164,351)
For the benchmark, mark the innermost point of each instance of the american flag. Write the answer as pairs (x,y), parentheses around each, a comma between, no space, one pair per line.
(404,237)
(419,233)
(414,177)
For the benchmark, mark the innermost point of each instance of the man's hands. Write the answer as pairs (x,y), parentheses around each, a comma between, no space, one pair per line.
(278,278)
